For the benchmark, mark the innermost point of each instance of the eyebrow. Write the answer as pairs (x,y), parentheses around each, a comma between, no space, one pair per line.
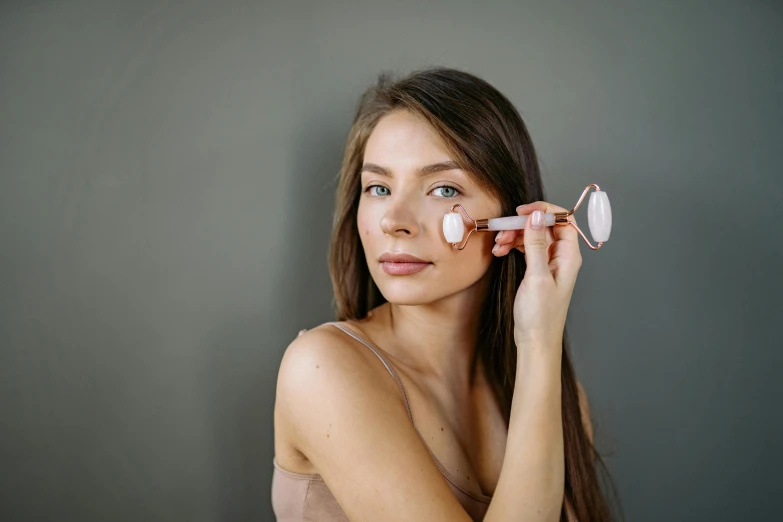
(423,171)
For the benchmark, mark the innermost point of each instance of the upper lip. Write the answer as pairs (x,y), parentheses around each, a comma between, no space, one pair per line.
(400,257)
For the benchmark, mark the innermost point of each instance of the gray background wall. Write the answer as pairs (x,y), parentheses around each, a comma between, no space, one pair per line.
(166,188)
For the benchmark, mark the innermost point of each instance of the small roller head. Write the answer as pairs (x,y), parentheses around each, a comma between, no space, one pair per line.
(599,216)
(453,227)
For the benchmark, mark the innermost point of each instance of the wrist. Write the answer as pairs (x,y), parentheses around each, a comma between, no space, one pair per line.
(538,343)
(538,355)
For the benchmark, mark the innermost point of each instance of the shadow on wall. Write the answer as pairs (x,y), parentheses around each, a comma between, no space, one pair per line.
(300,297)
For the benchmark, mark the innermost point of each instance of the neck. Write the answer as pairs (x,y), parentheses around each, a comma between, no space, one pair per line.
(438,340)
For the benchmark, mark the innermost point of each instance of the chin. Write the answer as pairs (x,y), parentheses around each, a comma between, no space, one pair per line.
(404,290)
(407,298)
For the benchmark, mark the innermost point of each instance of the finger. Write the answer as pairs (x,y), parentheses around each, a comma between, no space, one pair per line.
(558,232)
(543,206)
(519,243)
(535,241)
(501,249)
(563,252)
(505,241)
(506,236)
(528,209)
(517,239)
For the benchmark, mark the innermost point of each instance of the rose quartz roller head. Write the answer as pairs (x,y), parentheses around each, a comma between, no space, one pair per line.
(599,219)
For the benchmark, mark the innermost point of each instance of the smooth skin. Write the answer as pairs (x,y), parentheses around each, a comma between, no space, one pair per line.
(339,413)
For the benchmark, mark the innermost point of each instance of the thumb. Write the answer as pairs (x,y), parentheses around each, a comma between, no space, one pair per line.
(536,255)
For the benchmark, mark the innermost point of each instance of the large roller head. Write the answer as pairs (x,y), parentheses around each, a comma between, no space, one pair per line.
(599,216)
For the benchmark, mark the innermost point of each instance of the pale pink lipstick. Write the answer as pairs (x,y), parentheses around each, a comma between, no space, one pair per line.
(402,263)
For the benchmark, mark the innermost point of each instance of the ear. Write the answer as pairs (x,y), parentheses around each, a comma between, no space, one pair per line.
(584,407)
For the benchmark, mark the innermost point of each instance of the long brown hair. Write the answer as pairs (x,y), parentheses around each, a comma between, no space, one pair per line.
(489,140)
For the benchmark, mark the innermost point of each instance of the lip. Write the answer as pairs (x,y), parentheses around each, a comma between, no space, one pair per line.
(400,257)
(402,263)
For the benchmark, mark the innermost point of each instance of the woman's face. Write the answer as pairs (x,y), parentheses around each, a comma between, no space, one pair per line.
(401,211)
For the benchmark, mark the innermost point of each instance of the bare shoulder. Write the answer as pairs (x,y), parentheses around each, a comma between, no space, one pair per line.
(350,421)
(327,356)
(323,340)
(318,357)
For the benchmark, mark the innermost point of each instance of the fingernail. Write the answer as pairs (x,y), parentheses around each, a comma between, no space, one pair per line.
(496,247)
(521,206)
(498,236)
(538,220)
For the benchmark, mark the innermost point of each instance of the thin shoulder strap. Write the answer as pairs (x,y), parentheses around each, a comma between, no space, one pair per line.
(385,363)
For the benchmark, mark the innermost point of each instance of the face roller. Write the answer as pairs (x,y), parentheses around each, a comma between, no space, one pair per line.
(599,219)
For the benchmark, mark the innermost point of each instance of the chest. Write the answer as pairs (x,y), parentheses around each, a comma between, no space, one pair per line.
(467,436)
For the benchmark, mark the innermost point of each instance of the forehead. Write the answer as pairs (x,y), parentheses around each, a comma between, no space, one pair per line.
(401,135)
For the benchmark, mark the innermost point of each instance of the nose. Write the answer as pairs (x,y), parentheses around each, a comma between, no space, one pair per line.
(400,221)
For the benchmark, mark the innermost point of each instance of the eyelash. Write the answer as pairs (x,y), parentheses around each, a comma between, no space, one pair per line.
(458,192)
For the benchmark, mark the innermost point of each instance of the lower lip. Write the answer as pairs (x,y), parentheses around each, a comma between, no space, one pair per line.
(403,268)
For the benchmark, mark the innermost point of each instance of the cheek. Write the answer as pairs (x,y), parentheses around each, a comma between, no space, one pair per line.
(476,257)
(361,221)
(364,226)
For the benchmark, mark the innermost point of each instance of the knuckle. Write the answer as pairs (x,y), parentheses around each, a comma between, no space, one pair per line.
(537,241)
(575,264)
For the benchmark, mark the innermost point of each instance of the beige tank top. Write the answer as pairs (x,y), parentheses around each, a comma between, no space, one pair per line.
(299,497)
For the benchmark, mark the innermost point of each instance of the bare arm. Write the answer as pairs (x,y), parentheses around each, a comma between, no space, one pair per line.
(531,496)
(531,483)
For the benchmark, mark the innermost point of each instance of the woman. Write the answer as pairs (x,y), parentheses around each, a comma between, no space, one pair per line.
(444,392)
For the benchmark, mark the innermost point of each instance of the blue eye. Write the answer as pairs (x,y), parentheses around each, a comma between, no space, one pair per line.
(382,188)
(447,191)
